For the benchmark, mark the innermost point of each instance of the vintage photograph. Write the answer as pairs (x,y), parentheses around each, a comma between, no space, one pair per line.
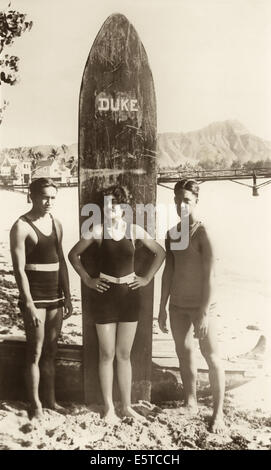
(135,260)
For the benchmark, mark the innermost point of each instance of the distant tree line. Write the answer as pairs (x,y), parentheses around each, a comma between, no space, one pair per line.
(250,165)
(218,164)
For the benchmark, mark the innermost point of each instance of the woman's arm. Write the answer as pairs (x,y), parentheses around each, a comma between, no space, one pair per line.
(98,284)
(155,248)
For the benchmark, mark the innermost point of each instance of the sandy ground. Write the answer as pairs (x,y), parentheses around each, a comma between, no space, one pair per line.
(247,409)
(165,428)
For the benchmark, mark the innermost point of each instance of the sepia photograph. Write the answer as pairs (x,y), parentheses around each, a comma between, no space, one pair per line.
(135,259)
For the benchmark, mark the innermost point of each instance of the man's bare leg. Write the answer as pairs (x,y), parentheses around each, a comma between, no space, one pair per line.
(53,324)
(34,344)
(209,349)
(182,332)
(107,343)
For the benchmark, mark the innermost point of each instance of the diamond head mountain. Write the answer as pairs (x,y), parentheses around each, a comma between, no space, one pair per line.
(223,144)
(226,144)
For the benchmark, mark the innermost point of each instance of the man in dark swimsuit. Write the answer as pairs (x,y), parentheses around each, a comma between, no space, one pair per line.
(42,279)
(188,284)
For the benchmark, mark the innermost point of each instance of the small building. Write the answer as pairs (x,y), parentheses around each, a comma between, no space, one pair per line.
(14,171)
(50,168)
(5,169)
(21,172)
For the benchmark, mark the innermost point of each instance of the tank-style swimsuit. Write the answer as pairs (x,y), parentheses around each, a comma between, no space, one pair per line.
(119,303)
(42,269)
(187,281)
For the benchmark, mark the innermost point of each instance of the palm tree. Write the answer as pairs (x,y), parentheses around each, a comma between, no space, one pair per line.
(70,162)
(39,156)
(53,154)
(64,148)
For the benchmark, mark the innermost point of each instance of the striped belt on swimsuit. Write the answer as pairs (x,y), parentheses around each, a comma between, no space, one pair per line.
(42,267)
(118,280)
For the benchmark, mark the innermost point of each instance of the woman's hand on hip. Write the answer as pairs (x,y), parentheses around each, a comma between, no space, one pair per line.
(138,281)
(97,283)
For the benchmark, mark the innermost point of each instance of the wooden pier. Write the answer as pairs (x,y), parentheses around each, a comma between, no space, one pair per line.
(172,176)
(165,177)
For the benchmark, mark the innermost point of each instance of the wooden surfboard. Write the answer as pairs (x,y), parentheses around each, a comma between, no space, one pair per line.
(165,378)
(117,144)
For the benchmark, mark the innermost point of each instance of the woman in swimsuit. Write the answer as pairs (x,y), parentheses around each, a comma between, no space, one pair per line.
(117,297)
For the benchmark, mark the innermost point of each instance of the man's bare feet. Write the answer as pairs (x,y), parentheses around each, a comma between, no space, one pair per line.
(128,412)
(110,416)
(56,407)
(35,413)
(217,425)
(190,409)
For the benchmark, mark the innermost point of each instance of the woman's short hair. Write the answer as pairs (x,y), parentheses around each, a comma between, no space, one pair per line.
(39,184)
(188,185)
(120,194)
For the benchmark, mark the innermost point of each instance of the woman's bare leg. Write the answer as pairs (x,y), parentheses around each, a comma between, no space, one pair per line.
(182,332)
(125,337)
(107,343)
(209,349)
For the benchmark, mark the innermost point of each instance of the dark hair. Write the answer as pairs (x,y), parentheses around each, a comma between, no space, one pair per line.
(188,185)
(37,185)
(119,193)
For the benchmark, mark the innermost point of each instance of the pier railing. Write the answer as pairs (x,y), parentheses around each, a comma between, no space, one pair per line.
(172,176)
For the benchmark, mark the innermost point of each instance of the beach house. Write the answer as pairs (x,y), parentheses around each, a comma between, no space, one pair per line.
(14,171)
(53,169)
(5,169)
(21,172)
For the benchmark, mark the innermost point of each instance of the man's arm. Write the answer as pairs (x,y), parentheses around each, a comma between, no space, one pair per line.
(18,236)
(207,269)
(206,251)
(166,282)
(63,271)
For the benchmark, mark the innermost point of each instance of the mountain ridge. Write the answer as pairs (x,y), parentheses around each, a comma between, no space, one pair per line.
(221,144)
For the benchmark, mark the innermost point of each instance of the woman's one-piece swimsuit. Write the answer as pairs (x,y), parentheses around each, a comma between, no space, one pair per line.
(119,303)
(44,284)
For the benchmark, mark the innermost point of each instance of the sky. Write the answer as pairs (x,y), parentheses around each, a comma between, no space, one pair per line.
(210,61)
